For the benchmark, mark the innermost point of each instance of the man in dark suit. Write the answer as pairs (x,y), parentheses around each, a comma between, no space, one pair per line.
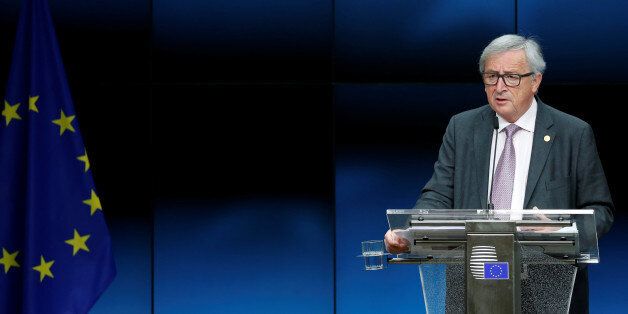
(547,159)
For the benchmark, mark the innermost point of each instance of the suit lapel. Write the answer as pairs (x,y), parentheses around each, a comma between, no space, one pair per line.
(540,148)
(482,136)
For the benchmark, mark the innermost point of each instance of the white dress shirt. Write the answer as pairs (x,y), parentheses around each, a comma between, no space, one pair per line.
(522,140)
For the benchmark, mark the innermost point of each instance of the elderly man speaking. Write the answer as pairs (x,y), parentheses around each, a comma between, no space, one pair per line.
(545,158)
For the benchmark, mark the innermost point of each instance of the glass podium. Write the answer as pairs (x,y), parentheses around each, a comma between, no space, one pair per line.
(496,261)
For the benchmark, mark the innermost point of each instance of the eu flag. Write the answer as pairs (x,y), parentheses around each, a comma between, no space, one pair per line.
(55,247)
(496,270)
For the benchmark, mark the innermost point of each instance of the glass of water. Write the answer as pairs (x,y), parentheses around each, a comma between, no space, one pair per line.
(373,254)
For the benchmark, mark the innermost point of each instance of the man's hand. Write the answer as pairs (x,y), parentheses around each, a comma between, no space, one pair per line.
(539,229)
(396,244)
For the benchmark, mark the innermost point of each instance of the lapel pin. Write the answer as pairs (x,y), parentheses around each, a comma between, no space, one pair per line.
(547,138)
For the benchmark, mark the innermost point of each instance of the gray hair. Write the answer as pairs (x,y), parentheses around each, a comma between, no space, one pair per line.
(515,42)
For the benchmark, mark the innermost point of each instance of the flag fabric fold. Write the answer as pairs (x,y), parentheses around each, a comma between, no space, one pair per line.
(55,247)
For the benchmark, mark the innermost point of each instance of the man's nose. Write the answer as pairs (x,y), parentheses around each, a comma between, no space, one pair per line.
(501,84)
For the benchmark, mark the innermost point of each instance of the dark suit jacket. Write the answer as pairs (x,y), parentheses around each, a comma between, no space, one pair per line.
(565,173)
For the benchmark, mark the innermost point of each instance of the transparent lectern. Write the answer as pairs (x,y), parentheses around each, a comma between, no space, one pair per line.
(496,261)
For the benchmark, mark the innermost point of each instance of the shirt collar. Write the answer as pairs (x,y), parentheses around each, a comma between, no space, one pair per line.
(526,121)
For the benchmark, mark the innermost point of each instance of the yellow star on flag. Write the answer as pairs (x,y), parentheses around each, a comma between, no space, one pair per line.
(10,112)
(78,242)
(8,260)
(85,160)
(32,103)
(44,269)
(65,123)
(93,202)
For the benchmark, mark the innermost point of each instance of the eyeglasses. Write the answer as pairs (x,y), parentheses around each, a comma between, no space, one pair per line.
(510,79)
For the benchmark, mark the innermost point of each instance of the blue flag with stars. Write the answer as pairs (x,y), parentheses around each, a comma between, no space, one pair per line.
(55,247)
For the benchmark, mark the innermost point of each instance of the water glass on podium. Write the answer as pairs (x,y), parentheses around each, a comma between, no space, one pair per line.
(373,254)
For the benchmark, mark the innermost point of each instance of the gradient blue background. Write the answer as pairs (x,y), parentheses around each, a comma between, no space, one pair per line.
(257,143)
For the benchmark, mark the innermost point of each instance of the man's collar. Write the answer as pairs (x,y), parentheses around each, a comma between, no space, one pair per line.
(526,122)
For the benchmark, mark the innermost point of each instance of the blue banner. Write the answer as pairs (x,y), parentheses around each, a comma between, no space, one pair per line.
(56,251)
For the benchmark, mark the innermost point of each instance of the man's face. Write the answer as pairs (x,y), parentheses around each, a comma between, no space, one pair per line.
(511,102)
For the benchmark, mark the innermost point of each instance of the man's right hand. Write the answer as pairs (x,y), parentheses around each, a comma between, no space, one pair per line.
(396,244)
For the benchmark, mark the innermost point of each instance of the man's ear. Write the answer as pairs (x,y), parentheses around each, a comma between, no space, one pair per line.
(536,82)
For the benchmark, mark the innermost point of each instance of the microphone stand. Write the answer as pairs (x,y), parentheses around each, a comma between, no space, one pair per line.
(490,206)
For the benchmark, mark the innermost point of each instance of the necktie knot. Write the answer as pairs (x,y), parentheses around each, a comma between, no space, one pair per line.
(511,130)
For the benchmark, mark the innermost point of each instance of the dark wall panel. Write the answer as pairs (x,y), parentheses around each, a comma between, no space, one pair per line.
(244,255)
(115,125)
(130,291)
(244,216)
(224,141)
(242,128)
(584,42)
(112,15)
(412,115)
(9,10)
(242,40)
(426,41)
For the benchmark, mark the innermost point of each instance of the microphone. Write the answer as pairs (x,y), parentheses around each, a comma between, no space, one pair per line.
(490,191)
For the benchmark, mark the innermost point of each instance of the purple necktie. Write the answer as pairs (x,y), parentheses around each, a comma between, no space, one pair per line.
(504,177)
